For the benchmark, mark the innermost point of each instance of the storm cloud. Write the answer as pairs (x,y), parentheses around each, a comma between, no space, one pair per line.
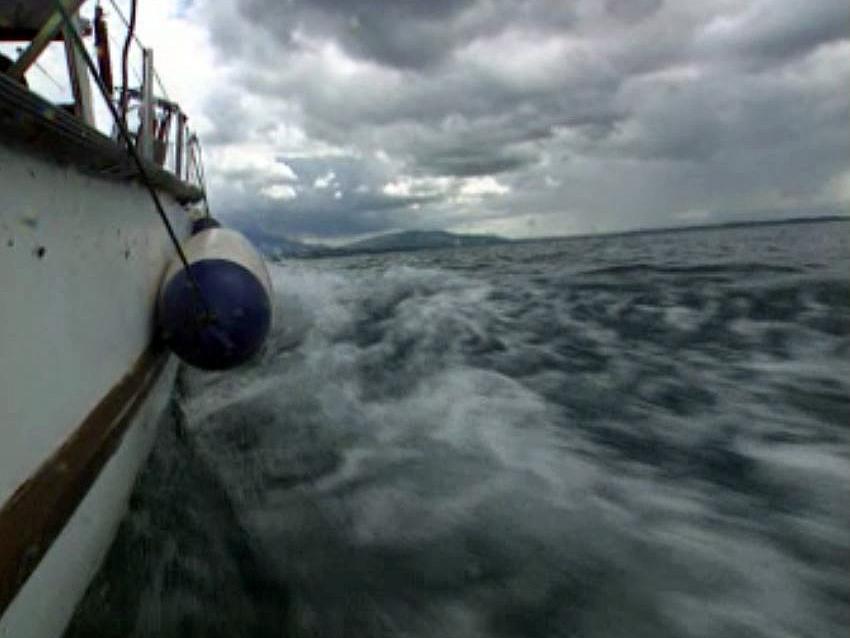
(525,117)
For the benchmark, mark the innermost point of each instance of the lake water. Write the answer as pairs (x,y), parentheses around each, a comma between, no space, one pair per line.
(640,435)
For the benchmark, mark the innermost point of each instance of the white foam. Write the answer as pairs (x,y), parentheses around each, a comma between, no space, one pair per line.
(457,468)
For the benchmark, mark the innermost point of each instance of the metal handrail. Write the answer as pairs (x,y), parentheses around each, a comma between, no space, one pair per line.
(160,126)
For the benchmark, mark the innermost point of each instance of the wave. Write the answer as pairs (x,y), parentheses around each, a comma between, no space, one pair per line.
(427,447)
(697,270)
(426,459)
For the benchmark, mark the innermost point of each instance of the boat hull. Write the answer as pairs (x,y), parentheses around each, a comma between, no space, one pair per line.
(81,260)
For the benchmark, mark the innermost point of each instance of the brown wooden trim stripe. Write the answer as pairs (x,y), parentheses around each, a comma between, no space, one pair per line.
(40,508)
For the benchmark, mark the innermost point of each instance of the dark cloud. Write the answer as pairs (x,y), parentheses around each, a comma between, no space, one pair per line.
(633,10)
(405,34)
(325,217)
(767,31)
(528,114)
(467,162)
(333,197)
(400,34)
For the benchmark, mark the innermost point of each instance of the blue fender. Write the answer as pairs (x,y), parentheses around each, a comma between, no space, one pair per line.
(226,321)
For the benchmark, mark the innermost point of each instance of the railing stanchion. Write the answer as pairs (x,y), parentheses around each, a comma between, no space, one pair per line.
(178,150)
(146,138)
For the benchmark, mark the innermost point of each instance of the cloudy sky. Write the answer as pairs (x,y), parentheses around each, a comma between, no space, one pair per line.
(327,119)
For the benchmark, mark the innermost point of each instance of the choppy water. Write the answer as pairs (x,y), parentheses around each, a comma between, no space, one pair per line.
(624,436)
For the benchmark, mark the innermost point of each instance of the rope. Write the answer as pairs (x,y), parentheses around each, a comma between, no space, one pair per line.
(118,46)
(124,19)
(131,147)
(131,27)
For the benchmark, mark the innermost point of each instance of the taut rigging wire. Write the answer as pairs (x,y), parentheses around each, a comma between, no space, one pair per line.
(46,73)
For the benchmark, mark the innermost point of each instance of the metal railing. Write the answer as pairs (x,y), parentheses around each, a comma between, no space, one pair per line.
(156,123)
(161,129)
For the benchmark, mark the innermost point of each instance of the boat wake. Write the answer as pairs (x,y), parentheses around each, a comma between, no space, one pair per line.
(522,440)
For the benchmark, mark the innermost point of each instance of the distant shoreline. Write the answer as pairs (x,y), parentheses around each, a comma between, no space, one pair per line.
(683,229)
(277,248)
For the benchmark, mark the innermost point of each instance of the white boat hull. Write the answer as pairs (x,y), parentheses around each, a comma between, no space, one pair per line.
(81,260)
(47,601)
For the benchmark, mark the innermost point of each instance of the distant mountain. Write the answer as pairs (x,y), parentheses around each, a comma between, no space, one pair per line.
(418,240)
(276,246)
